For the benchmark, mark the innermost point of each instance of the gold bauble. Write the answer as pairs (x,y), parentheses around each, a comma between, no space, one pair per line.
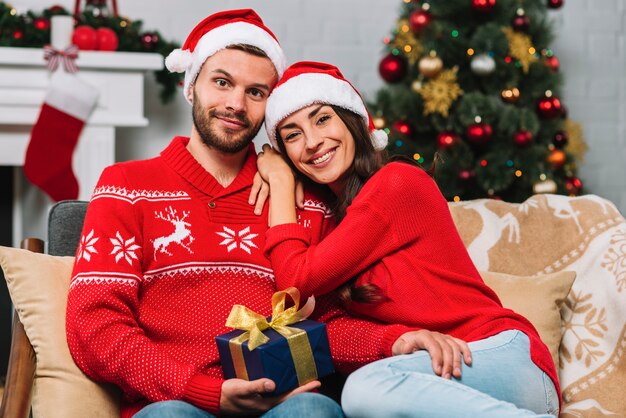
(430,66)
(510,95)
(545,186)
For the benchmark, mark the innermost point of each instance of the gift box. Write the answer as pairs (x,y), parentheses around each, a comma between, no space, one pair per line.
(275,359)
(286,347)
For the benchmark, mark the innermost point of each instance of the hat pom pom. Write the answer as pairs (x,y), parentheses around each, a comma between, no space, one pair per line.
(379,139)
(178,61)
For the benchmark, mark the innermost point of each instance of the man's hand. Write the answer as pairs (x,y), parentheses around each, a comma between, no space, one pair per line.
(445,351)
(240,397)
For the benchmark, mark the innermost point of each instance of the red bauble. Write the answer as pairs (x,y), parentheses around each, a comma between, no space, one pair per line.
(466,175)
(392,68)
(85,38)
(552,63)
(107,39)
(149,41)
(42,23)
(573,185)
(483,6)
(479,133)
(560,139)
(555,4)
(403,127)
(523,138)
(18,34)
(521,23)
(418,20)
(446,140)
(549,107)
(56,9)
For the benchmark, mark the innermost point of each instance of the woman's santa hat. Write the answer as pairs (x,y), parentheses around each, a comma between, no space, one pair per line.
(217,32)
(305,83)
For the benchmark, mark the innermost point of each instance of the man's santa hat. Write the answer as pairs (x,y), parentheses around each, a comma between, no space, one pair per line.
(305,83)
(217,32)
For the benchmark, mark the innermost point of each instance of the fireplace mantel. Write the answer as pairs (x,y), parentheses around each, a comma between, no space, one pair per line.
(23,82)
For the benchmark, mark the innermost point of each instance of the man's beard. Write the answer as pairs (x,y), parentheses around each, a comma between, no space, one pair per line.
(231,142)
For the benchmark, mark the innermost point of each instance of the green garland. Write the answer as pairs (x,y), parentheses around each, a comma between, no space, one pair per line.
(32,30)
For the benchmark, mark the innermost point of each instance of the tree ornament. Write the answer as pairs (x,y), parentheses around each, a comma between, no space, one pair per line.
(431,65)
(416,86)
(555,4)
(440,92)
(510,95)
(560,139)
(403,127)
(406,41)
(446,140)
(521,21)
(544,186)
(483,64)
(85,38)
(418,20)
(18,34)
(479,133)
(549,107)
(520,48)
(466,175)
(576,145)
(107,39)
(392,68)
(42,23)
(552,62)
(379,122)
(483,6)
(573,185)
(563,111)
(556,158)
(523,138)
(149,41)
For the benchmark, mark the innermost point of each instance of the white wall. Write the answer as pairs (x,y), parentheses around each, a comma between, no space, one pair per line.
(349,33)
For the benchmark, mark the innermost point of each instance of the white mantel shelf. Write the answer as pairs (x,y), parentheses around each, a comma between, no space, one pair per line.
(24,79)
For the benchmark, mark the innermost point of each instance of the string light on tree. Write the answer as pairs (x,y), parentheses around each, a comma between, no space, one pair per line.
(379,122)
(466,175)
(403,127)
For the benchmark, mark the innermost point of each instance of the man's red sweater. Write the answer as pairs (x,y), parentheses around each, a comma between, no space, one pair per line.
(165,253)
(398,234)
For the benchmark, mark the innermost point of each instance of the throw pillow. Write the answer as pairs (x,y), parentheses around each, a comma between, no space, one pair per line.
(537,298)
(38,285)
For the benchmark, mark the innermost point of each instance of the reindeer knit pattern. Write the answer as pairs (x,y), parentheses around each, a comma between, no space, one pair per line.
(165,253)
(398,234)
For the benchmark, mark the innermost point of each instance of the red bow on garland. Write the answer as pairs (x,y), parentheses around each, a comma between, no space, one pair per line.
(68,57)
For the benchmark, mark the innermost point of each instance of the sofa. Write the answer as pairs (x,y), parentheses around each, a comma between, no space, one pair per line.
(559,260)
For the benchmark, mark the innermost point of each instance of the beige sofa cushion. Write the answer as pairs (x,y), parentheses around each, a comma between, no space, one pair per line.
(538,299)
(38,285)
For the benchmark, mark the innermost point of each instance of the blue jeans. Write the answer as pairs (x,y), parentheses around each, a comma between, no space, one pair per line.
(501,382)
(303,405)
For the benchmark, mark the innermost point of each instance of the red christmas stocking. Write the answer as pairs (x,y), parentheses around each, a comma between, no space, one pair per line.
(67,106)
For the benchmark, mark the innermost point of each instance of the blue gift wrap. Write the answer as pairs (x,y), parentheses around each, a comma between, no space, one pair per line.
(274,360)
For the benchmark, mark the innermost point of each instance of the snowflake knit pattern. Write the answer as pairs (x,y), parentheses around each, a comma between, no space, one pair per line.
(165,253)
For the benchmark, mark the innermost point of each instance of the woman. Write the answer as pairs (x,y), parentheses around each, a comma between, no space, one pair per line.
(400,259)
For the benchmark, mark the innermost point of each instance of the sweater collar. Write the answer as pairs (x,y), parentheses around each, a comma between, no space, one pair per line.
(180,159)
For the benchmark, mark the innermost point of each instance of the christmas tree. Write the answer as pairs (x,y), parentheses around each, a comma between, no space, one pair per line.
(475,82)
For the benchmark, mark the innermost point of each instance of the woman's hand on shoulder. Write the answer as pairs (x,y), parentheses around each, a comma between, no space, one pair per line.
(272,166)
(446,352)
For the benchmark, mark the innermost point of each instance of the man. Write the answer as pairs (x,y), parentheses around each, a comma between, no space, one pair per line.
(170,244)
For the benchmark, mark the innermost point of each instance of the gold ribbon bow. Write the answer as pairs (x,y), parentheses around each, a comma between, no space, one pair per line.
(254,324)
